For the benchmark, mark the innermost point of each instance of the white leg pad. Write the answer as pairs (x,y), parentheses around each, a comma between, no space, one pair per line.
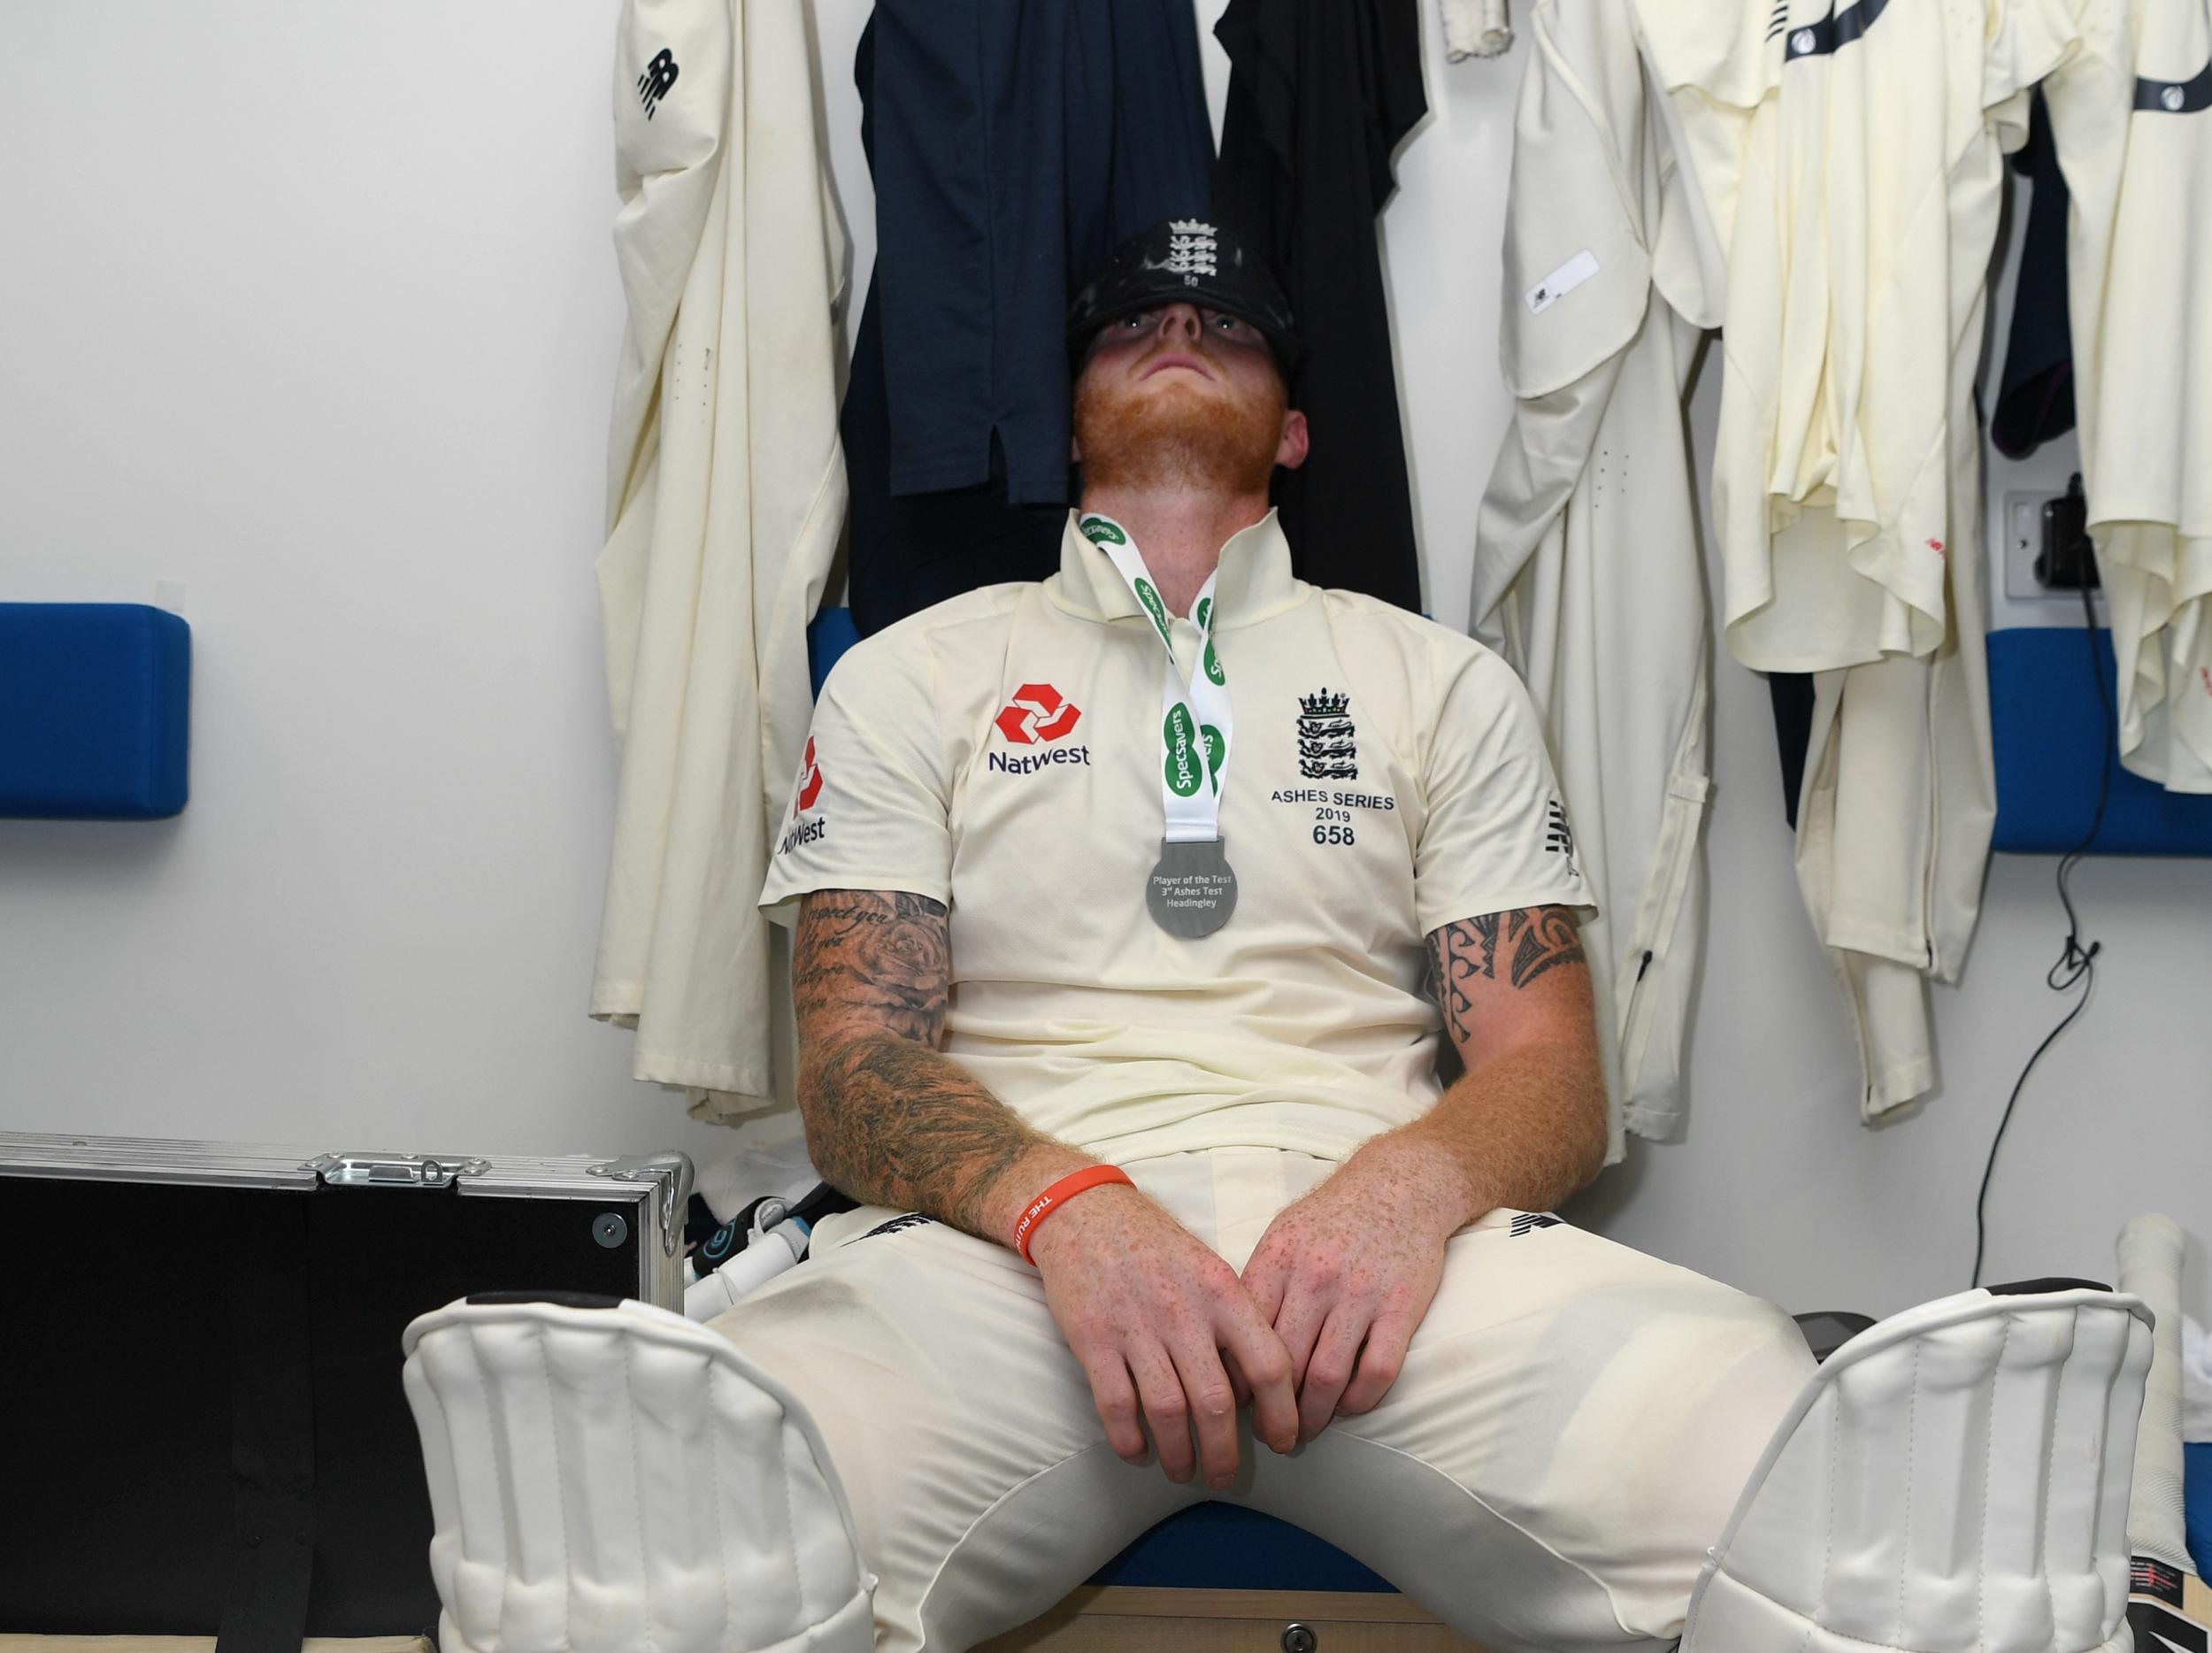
(613,1480)
(1954,1479)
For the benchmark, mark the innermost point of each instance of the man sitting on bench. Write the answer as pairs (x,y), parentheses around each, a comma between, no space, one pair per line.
(1132,910)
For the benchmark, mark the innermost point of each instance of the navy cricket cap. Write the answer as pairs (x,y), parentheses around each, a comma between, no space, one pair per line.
(1191,261)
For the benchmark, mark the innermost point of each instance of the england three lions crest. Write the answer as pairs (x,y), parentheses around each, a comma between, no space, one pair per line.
(1327,745)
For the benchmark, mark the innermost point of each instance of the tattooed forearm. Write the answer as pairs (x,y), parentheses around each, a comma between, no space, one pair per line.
(889,1119)
(1526,1123)
(897,1125)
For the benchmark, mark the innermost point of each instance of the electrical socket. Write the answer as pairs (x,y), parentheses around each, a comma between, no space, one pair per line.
(2022,524)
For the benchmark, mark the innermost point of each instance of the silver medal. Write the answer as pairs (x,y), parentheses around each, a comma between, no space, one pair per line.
(1192,890)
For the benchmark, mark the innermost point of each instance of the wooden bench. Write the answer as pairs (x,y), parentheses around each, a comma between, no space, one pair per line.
(1218,1578)
(1125,1619)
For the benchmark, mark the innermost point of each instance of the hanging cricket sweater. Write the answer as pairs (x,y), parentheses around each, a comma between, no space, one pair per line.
(2132,117)
(1588,573)
(1851,160)
(725,492)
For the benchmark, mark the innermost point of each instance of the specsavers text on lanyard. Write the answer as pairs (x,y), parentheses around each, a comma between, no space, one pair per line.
(1192,891)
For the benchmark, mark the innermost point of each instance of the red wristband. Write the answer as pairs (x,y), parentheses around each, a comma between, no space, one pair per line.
(1066,1188)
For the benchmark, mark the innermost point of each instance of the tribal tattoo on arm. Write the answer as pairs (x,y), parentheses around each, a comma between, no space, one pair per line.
(890,1120)
(1534,939)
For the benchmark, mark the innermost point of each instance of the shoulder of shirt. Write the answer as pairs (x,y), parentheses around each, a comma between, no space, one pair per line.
(1452,651)
(904,643)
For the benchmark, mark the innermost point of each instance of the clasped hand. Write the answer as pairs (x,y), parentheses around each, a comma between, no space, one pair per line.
(1317,1325)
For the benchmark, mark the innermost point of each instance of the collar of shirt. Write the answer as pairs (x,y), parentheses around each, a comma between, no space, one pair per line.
(1254,581)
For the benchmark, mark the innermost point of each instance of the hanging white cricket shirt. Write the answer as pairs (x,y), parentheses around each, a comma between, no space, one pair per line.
(726,489)
(1851,158)
(1894,814)
(1002,753)
(1589,576)
(2132,119)
(1833,142)
(1899,790)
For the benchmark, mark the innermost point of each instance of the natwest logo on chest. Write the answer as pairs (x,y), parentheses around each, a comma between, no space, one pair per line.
(1038,716)
(1039,713)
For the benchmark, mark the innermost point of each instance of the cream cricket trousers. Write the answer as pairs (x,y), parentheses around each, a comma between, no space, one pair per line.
(1569,1431)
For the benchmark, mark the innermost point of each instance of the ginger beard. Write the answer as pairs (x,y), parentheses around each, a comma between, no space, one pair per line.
(1178,432)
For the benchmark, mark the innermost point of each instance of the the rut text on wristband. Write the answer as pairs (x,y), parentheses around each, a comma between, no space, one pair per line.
(1058,1194)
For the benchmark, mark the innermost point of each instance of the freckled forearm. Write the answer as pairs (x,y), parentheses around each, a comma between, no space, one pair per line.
(1525,1127)
(1524,1130)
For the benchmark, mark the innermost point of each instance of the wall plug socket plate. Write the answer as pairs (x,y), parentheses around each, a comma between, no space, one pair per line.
(2022,528)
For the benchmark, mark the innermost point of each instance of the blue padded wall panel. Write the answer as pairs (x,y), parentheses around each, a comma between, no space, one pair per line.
(828,634)
(2050,732)
(95,711)
(2196,1482)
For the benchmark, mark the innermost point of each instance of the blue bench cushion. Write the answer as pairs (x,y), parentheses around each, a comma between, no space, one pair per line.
(94,707)
(1225,1546)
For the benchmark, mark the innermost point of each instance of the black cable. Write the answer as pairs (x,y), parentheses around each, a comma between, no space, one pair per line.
(2076,962)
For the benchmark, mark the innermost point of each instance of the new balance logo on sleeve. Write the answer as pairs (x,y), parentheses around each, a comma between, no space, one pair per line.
(1559,838)
(653,85)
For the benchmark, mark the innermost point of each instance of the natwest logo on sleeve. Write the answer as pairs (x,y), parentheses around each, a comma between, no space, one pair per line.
(804,833)
(809,780)
(1039,713)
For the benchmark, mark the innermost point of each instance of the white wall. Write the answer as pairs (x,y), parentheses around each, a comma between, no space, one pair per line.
(313,309)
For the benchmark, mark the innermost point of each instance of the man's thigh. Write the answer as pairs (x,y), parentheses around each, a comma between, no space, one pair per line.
(1570,1430)
(960,1424)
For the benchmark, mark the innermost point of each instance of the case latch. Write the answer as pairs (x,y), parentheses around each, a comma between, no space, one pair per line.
(394,1170)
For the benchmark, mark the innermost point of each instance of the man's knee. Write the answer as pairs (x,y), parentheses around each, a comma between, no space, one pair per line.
(1674,1413)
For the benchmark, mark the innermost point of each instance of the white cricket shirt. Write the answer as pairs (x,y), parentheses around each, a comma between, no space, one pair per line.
(1589,576)
(1002,753)
(2133,116)
(1849,157)
(726,486)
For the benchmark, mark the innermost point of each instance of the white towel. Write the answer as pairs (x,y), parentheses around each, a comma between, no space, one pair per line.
(735,1180)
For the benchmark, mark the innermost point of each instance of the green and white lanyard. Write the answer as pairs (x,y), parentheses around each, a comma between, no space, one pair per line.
(1192,890)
